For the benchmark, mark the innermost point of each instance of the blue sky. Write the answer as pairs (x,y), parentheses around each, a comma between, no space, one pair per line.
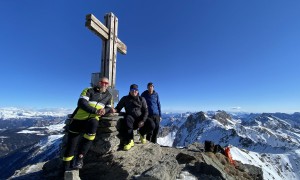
(201,55)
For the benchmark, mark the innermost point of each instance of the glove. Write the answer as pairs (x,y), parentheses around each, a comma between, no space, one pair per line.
(141,124)
(160,119)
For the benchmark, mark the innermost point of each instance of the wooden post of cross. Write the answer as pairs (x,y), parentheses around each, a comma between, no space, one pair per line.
(108,32)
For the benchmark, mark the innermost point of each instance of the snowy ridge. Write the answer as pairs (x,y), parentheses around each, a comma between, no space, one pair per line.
(47,148)
(52,140)
(275,166)
(17,113)
(262,140)
(49,145)
(168,127)
(167,140)
(42,130)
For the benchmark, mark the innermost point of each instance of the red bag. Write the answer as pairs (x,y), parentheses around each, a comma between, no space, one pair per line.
(228,154)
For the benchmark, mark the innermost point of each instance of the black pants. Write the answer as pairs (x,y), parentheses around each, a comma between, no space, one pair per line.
(130,123)
(89,128)
(152,136)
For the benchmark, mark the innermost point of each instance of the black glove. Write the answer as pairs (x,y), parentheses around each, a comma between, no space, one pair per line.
(141,124)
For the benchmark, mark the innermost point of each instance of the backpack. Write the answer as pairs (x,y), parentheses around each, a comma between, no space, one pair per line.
(219,149)
(209,146)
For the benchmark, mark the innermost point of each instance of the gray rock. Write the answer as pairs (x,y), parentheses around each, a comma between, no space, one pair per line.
(222,117)
(72,175)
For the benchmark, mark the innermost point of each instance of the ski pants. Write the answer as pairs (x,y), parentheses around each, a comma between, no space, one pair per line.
(88,128)
(130,123)
(152,136)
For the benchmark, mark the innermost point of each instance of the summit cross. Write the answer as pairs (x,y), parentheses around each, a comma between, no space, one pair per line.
(108,32)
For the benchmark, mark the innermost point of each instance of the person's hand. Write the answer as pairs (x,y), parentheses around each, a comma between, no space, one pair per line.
(160,119)
(113,110)
(141,124)
(101,112)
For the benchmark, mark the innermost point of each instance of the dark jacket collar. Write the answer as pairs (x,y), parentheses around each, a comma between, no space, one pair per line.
(147,91)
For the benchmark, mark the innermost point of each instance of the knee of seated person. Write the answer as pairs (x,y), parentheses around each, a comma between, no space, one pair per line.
(94,121)
(129,118)
(153,124)
(68,158)
(89,137)
(72,133)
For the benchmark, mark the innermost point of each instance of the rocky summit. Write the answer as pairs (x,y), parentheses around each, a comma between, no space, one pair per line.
(106,160)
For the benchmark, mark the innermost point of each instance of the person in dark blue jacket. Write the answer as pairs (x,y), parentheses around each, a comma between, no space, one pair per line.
(154,110)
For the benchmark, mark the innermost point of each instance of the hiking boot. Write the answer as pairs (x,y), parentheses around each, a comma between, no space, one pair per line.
(78,163)
(143,139)
(129,145)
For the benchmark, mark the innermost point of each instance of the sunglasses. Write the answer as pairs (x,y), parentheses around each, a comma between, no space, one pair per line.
(102,82)
(134,89)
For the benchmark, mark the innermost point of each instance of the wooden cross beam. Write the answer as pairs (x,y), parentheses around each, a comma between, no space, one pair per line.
(110,44)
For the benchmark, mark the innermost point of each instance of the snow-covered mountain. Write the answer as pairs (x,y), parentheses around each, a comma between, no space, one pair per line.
(264,140)
(28,136)
(45,149)
(269,140)
(169,125)
(13,118)
(9,113)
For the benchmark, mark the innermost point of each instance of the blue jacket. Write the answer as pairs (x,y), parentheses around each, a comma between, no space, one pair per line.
(153,102)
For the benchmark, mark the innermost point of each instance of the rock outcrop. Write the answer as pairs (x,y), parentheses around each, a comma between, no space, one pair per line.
(148,161)
(222,117)
(194,119)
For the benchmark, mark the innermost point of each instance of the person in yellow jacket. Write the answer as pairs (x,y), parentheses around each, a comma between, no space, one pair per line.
(92,104)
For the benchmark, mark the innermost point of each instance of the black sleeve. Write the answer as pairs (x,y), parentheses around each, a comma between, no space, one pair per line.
(121,104)
(108,104)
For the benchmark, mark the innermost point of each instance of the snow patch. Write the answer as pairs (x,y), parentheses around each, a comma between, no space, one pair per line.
(167,140)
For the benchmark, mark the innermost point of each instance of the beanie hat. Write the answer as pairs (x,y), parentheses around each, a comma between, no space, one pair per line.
(134,87)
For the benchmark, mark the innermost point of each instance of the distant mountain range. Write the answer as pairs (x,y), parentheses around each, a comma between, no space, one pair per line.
(268,140)
(22,131)
(18,113)
(34,145)
(13,118)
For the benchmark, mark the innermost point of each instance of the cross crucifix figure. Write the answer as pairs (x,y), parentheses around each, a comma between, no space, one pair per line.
(110,45)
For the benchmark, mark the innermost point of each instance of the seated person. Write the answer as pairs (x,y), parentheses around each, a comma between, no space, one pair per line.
(136,114)
(93,103)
